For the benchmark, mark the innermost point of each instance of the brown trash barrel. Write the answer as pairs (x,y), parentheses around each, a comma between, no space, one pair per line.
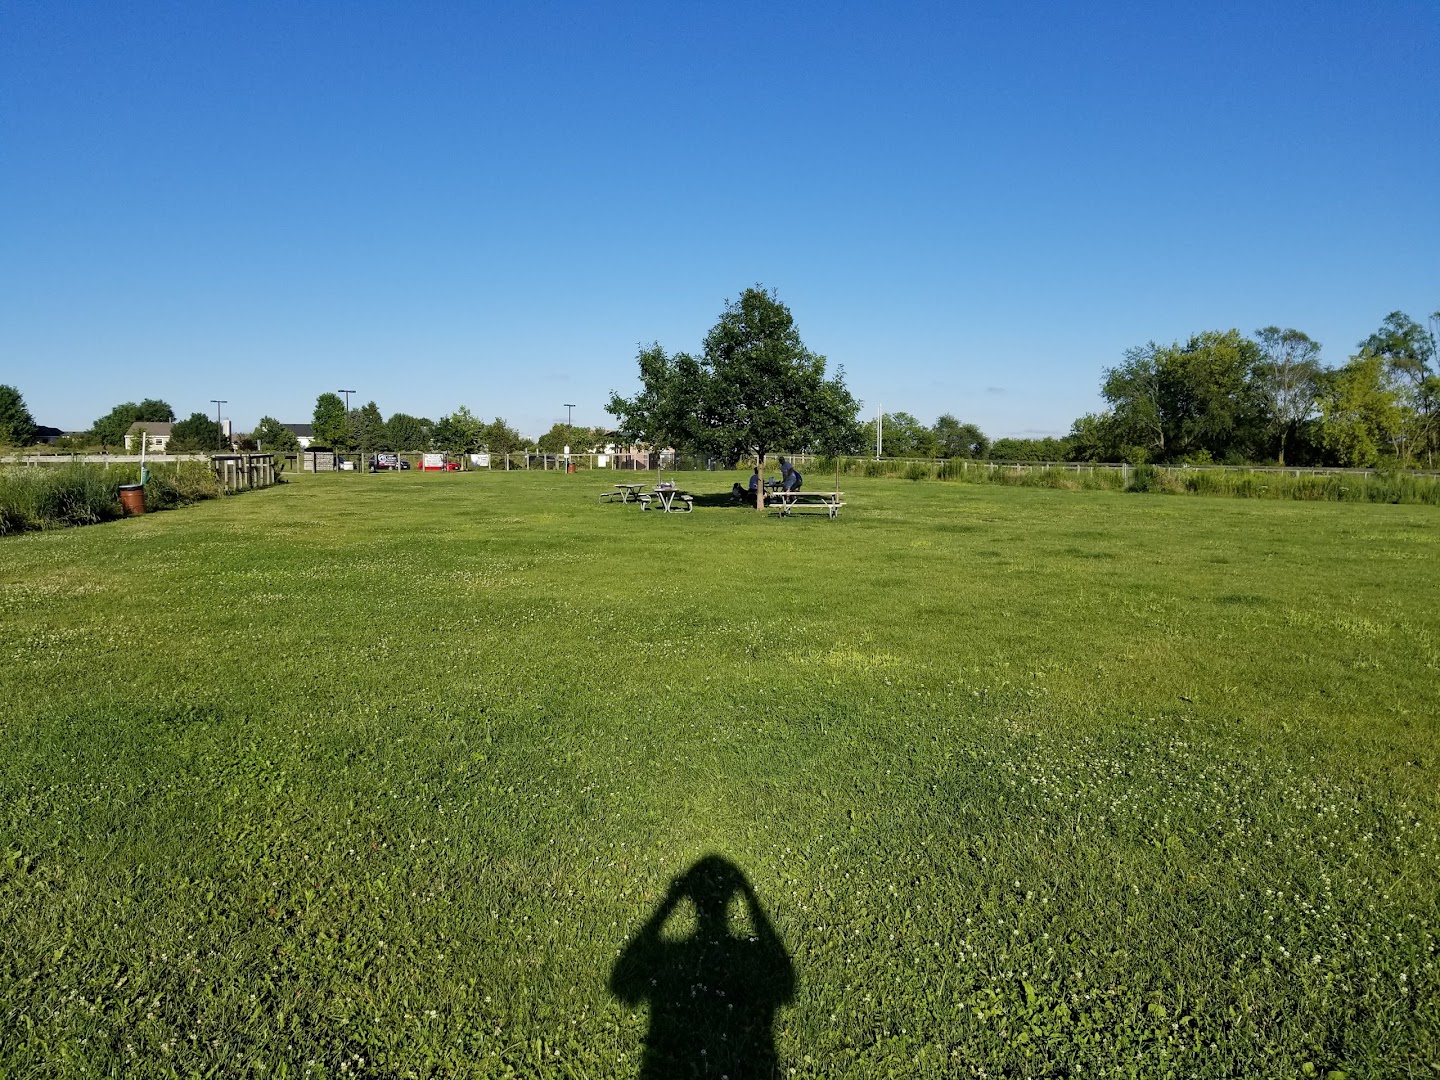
(570,467)
(132,498)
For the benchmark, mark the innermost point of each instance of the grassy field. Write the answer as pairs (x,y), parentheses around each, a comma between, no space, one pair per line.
(392,776)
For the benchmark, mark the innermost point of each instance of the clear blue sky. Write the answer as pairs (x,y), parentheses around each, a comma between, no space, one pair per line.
(973,207)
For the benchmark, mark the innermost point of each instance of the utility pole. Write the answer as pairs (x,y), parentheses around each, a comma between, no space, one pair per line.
(219,431)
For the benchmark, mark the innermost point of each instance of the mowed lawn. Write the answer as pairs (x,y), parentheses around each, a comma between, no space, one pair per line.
(381,775)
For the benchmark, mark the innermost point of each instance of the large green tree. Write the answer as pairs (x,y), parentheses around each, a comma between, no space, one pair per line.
(1361,414)
(367,429)
(754,390)
(458,433)
(1198,400)
(109,430)
(274,437)
(408,433)
(1288,377)
(499,437)
(329,424)
(17,426)
(1407,352)
(196,432)
(954,439)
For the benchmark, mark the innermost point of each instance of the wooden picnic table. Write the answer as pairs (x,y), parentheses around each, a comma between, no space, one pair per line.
(790,501)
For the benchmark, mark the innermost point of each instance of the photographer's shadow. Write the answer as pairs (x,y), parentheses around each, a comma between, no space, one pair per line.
(712,992)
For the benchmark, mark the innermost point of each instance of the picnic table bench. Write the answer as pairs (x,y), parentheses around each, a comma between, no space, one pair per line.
(624,492)
(790,501)
(664,498)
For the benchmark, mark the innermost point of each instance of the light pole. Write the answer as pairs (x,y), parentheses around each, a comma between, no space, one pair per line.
(347,394)
(569,430)
(219,432)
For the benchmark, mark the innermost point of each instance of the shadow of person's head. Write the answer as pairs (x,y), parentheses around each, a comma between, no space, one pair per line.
(713,971)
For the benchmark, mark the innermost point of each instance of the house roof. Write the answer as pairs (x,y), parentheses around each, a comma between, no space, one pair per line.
(44,431)
(299,430)
(153,428)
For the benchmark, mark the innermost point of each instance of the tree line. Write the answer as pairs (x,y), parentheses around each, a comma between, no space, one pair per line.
(754,388)
(1224,397)
(365,430)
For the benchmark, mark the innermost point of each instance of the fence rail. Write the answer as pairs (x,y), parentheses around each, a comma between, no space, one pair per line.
(236,472)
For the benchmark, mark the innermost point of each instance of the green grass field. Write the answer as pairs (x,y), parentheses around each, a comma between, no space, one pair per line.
(391,776)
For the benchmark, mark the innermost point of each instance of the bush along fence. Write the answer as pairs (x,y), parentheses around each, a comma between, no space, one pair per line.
(86,493)
(1313,485)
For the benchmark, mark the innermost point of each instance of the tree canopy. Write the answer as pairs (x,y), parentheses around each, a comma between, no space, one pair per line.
(271,435)
(329,424)
(408,433)
(17,426)
(755,389)
(196,432)
(110,429)
(458,433)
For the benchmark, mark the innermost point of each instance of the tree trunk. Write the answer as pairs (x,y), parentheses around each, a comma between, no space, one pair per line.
(1282,447)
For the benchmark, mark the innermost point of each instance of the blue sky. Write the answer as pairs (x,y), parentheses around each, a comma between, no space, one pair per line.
(974,208)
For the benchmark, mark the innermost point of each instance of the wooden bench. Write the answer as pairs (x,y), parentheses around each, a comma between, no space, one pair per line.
(790,501)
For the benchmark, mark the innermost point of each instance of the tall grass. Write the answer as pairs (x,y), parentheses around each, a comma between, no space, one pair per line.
(1375,487)
(53,497)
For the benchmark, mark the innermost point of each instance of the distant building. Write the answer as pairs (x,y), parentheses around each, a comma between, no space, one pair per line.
(303,433)
(157,436)
(51,435)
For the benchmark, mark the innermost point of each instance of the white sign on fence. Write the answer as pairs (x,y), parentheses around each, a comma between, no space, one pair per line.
(480,461)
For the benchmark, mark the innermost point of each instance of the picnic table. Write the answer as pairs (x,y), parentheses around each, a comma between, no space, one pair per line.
(626,492)
(790,501)
(664,497)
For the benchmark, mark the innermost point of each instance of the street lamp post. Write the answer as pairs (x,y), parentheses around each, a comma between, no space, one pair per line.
(347,394)
(569,430)
(219,431)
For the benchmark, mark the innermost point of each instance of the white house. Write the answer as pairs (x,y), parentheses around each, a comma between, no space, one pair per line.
(157,436)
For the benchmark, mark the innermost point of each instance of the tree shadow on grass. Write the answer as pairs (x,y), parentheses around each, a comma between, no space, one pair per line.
(713,978)
(723,499)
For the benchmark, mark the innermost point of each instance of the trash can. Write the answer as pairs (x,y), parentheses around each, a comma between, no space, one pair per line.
(570,467)
(132,498)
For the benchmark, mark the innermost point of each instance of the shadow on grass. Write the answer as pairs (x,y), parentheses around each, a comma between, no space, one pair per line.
(722,499)
(712,982)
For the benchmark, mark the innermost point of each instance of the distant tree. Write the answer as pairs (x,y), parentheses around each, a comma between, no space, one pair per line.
(498,437)
(1046,449)
(458,433)
(109,430)
(903,436)
(1360,412)
(272,436)
(581,440)
(17,426)
(953,439)
(1197,400)
(367,429)
(1407,351)
(196,432)
(754,390)
(408,434)
(1092,438)
(1288,376)
(329,424)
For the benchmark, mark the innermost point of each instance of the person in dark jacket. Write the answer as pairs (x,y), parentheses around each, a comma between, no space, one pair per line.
(790,476)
